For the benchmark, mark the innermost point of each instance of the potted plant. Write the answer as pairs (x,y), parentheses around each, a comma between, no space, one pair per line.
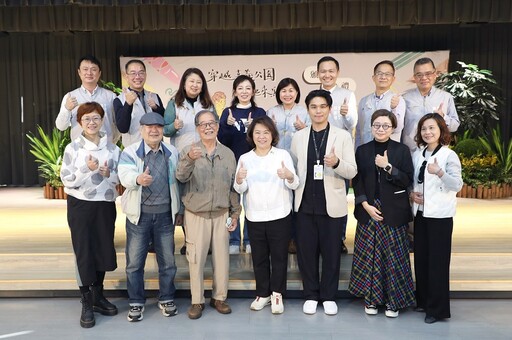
(476,96)
(48,149)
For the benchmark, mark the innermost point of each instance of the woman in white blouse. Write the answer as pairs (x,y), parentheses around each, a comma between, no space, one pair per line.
(266,177)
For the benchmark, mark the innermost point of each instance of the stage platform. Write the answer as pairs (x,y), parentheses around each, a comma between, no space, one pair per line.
(36,257)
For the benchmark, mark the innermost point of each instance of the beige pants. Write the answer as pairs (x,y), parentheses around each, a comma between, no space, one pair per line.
(201,233)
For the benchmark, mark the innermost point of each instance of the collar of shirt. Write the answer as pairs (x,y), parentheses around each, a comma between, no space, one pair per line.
(331,90)
(147,148)
(240,106)
(381,96)
(82,88)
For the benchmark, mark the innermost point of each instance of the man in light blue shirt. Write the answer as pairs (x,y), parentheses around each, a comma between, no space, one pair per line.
(382,98)
(426,98)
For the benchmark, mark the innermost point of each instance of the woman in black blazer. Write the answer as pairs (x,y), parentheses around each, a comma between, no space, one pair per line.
(381,270)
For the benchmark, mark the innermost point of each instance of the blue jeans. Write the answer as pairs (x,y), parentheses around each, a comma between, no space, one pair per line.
(160,228)
(234,236)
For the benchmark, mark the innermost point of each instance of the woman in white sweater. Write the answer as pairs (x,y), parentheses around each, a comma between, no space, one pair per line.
(266,177)
(437,179)
(89,174)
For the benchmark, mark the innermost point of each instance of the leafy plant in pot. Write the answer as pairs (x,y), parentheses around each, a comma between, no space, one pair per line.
(48,149)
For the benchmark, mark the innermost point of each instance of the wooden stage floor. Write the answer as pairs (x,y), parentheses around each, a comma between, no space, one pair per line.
(36,253)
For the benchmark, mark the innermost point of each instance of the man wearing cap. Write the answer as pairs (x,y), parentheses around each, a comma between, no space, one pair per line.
(150,202)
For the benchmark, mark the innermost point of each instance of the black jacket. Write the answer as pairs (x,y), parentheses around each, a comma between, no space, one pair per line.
(394,197)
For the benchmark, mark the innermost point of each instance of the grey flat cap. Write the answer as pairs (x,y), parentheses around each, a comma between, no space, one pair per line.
(152,118)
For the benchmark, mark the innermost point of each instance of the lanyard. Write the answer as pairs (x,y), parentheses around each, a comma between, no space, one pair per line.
(317,153)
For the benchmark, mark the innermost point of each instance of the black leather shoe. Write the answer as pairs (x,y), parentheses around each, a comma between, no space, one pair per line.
(430,319)
(344,249)
(87,317)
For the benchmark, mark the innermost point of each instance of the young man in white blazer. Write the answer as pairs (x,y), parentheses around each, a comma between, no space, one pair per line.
(324,158)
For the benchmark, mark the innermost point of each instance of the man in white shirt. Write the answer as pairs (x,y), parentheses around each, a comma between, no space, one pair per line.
(89,71)
(343,110)
(382,98)
(426,98)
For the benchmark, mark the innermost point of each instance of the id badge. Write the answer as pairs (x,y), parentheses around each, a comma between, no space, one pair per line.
(318,172)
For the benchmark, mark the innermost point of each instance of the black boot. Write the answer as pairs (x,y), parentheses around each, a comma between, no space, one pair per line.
(100,304)
(87,317)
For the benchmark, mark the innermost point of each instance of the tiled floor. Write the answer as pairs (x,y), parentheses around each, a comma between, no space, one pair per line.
(59,319)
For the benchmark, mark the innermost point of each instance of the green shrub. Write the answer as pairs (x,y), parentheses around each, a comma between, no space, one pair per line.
(469,147)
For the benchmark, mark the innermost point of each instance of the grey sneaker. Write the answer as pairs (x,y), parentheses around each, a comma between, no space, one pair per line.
(135,313)
(168,308)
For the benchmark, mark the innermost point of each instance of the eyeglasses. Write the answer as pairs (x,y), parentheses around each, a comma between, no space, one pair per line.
(385,75)
(205,125)
(87,120)
(383,126)
(421,174)
(135,74)
(426,74)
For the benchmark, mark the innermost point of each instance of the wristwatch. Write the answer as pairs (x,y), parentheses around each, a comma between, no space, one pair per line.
(387,167)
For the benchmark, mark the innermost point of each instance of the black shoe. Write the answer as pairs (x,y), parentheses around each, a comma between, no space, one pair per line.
(344,249)
(430,319)
(100,304)
(183,249)
(87,318)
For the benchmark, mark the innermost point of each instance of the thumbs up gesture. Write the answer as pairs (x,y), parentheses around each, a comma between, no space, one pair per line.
(331,159)
(434,168)
(130,96)
(298,124)
(395,100)
(145,179)
(284,173)
(71,102)
(195,152)
(231,119)
(92,163)
(241,174)
(104,170)
(249,120)
(178,123)
(439,110)
(344,108)
(151,102)
(382,161)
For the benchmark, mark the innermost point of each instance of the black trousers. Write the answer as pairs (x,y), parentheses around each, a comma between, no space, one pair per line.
(432,251)
(269,251)
(319,235)
(92,233)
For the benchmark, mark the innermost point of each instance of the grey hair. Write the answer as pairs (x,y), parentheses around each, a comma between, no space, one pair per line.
(202,112)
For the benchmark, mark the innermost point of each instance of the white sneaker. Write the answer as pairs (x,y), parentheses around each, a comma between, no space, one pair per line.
(260,302)
(391,313)
(330,308)
(234,249)
(248,249)
(277,303)
(371,310)
(309,307)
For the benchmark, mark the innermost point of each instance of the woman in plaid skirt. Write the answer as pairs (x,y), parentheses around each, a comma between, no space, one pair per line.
(381,270)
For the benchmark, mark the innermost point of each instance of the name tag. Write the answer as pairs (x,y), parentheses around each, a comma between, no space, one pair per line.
(318,172)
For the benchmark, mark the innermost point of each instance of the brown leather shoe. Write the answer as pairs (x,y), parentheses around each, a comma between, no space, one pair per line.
(195,311)
(221,306)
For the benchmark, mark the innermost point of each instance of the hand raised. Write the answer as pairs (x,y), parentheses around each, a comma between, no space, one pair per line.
(433,168)
(439,110)
(104,170)
(151,102)
(241,174)
(130,96)
(284,173)
(178,123)
(298,124)
(331,159)
(344,108)
(382,161)
(231,120)
(92,163)
(195,152)
(71,102)
(145,179)
(395,100)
